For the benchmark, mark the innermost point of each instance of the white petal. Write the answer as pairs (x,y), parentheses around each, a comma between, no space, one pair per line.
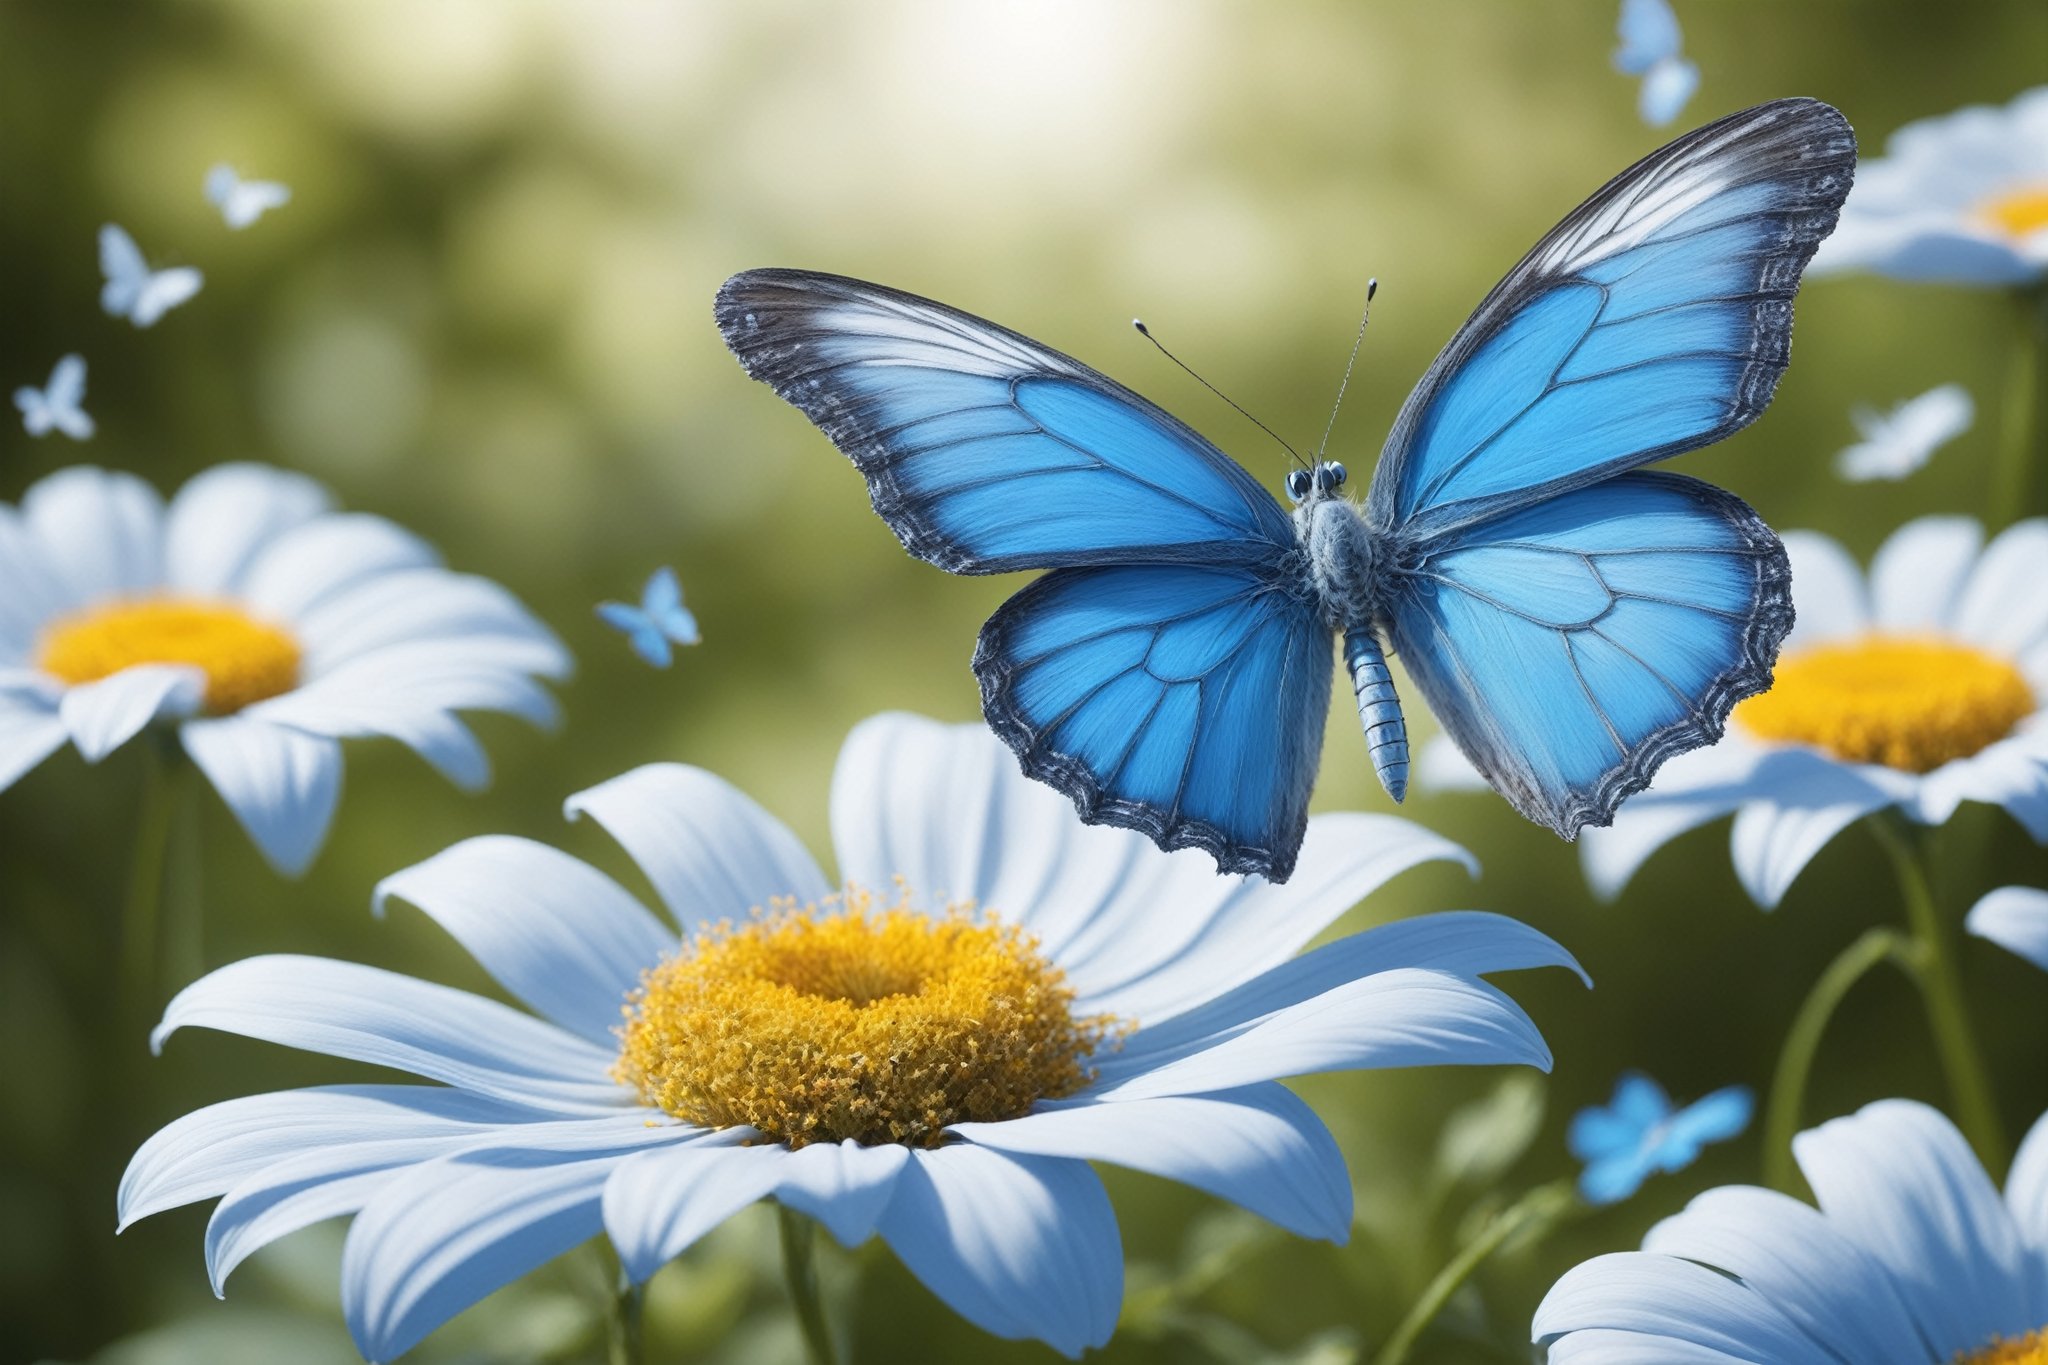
(1807,800)
(1604,1346)
(425,606)
(102,716)
(209,1151)
(281,784)
(2016,919)
(2026,1196)
(1827,590)
(1898,1179)
(1405,1017)
(1691,790)
(709,849)
(1260,1147)
(344,1009)
(221,520)
(306,566)
(843,1185)
(1663,1297)
(30,731)
(1022,1247)
(101,533)
(1441,766)
(2002,606)
(2005,774)
(551,929)
(1919,571)
(1790,1254)
(34,592)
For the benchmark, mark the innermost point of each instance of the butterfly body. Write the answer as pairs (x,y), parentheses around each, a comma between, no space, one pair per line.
(1571,619)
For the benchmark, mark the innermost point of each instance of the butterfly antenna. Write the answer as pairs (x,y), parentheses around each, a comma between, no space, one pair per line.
(1146,333)
(1365,315)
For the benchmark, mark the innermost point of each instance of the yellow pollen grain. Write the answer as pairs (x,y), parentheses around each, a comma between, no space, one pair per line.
(1907,702)
(244,659)
(2031,1349)
(2020,213)
(855,1020)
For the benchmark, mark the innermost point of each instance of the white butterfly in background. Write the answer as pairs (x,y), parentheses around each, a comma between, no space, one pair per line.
(658,623)
(54,407)
(1650,43)
(134,291)
(241,202)
(1898,442)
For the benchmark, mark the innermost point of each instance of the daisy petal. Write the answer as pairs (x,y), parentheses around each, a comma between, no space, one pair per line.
(1667,1299)
(1918,572)
(223,518)
(429,606)
(2026,1195)
(843,1185)
(708,848)
(1803,801)
(1828,590)
(2016,919)
(281,784)
(30,731)
(1601,1346)
(1022,1247)
(551,929)
(102,716)
(365,1014)
(1690,791)
(1898,1179)
(1260,1147)
(307,565)
(1791,1255)
(657,1204)
(101,533)
(34,593)
(2002,605)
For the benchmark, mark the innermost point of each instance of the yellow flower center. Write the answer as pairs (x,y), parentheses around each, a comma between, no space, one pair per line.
(853,1020)
(1912,703)
(2019,212)
(244,659)
(2031,1349)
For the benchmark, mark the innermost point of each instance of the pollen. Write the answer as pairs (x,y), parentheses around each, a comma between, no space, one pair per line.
(1907,702)
(854,1019)
(2031,1349)
(244,659)
(2020,213)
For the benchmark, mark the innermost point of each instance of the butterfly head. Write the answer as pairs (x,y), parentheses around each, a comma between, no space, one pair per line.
(1326,480)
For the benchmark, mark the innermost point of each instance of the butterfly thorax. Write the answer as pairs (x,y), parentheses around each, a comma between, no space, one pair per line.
(1341,560)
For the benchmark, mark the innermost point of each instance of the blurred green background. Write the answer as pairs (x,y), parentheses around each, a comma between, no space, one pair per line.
(486,314)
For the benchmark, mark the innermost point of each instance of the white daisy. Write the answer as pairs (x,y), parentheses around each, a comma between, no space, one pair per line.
(1918,688)
(2016,919)
(262,625)
(932,1055)
(1911,1259)
(1959,199)
(1901,441)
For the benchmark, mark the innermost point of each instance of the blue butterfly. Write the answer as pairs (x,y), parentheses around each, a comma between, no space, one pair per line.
(58,405)
(1651,48)
(659,622)
(1640,1133)
(1572,623)
(134,291)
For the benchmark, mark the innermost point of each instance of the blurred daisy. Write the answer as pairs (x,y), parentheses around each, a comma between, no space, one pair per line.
(1959,199)
(1911,1259)
(258,622)
(1650,48)
(2015,918)
(1898,442)
(1640,1133)
(1916,689)
(933,1055)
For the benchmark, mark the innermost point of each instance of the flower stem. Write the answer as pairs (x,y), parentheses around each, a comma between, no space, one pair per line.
(800,1269)
(1933,969)
(2023,412)
(1802,1042)
(625,1338)
(163,880)
(1539,1209)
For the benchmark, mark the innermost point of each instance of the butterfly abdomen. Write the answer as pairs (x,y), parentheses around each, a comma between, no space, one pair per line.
(1379,710)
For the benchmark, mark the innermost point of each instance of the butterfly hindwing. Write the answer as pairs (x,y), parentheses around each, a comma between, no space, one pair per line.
(1185,701)
(1655,319)
(985,451)
(1571,647)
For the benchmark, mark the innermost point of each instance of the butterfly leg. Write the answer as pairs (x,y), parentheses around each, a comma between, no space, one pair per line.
(1379,710)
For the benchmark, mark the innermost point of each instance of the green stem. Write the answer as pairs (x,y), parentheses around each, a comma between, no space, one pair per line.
(626,1341)
(800,1269)
(1802,1042)
(1933,969)
(142,912)
(2023,412)
(1538,1209)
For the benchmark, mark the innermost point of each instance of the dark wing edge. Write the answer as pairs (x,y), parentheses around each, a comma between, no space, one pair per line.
(1770,621)
(1787,138)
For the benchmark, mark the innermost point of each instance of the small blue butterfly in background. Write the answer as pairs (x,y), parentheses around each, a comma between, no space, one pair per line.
(1572,620)
(134,291)
(1898,442)
(55,406)
(1639,1134)
(658,623)
(241,202)
(1650,44)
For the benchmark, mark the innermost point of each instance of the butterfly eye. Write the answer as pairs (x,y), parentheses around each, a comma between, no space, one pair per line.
(1337,475)
(1297,484)
(1325,479)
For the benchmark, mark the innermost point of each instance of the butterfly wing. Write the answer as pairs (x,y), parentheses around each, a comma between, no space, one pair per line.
(1655,319)
(640,632)
(1185,701)
(1649,34)
(37,416)
(162,291)
(985,451)
(126,271)
(1571,647)
(1667,87)
(63,396)
(662,605)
